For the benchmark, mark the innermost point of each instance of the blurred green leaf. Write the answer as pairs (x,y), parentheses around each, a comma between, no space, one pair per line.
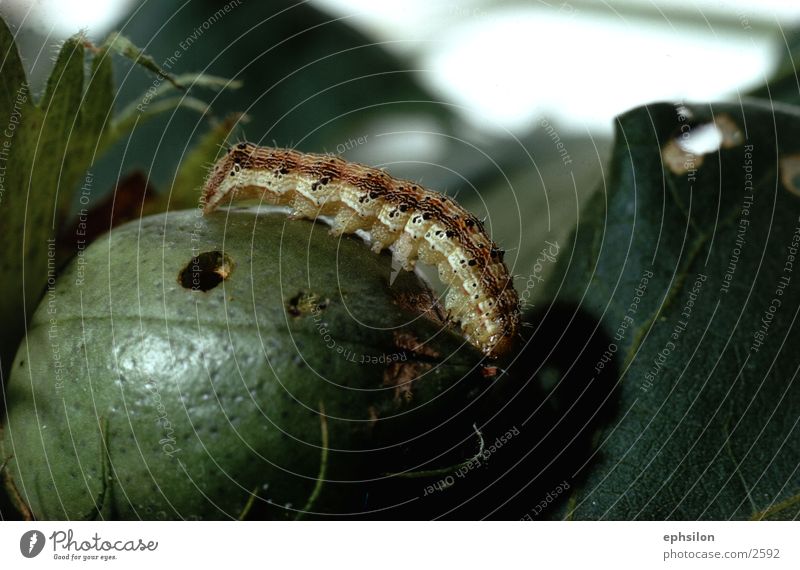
(16,113)
(47,149)
(687,262)
(152,103)
(123,46)
(192,80)
(310,79)
(133,117)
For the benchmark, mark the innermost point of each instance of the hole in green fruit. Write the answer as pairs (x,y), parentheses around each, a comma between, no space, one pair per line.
(305,303)
(205,271)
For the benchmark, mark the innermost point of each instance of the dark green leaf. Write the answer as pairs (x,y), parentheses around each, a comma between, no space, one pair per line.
(682,261)
(13,76)
(64,123)
(99,101)
(19,117)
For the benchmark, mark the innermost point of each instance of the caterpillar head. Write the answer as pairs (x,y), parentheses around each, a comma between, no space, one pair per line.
(223,177)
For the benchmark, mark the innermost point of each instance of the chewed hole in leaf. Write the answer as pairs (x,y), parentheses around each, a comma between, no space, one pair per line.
(684,152)
(702,139)
(732,135)
(205,271)
(790,173)
(678,159)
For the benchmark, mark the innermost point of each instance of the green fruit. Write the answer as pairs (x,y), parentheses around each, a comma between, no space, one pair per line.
(194,367)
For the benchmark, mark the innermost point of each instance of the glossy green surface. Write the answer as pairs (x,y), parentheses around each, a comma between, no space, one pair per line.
(203,397)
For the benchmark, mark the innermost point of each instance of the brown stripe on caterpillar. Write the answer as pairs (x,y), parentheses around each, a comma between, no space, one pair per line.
(417,223)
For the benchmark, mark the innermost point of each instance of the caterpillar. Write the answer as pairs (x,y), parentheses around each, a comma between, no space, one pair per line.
(417,223)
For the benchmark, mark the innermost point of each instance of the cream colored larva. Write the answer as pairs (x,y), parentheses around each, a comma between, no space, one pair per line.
(417,223)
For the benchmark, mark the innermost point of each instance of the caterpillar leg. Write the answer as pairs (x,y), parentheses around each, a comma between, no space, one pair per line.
(346,221)
(303,208)
(382,236)
(405,251)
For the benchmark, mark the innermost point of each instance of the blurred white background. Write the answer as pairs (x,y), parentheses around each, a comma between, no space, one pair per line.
(579,62)
(508,62)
